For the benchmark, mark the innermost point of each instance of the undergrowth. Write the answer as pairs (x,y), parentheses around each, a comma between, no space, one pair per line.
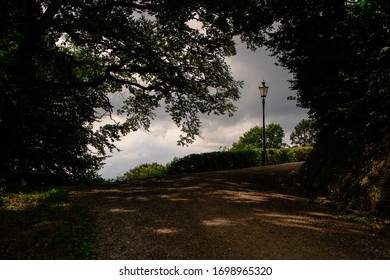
(367,219)
(43,224)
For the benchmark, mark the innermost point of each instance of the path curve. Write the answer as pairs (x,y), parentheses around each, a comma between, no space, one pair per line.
(238,214)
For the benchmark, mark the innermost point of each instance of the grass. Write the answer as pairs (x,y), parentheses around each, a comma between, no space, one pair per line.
(370,220)
(382,225)
(43,224)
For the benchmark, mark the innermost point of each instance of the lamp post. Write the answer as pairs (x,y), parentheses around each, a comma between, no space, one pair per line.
(263,94)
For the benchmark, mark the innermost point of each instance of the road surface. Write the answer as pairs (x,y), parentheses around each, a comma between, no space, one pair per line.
(239,214)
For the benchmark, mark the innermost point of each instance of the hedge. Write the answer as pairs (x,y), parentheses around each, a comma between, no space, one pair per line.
(214,161)
(278,156)
(225,160)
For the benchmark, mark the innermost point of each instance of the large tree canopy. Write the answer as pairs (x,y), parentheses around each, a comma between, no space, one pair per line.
(339,55)
(60,60)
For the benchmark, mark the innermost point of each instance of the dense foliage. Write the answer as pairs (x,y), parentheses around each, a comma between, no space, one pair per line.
(214,161)
(284,155)
(253,138)
(61,59)
(339,55)
(146,170)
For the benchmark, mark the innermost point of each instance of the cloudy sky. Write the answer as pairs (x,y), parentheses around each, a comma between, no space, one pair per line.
(160,143)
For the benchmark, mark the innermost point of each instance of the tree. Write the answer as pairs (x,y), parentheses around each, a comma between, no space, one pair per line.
(61,59)
(274,135)
(304,134)
(146,170)
(338,53)
(253,138)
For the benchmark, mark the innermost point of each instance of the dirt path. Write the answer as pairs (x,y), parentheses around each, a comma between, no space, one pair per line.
(240,214)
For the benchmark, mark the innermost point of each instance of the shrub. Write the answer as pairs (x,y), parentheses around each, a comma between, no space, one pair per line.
(143,171)
(301,153)
(278,156)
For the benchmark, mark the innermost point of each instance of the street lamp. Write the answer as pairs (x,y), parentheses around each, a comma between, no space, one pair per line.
(263,94)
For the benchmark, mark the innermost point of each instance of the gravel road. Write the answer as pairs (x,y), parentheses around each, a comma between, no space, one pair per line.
(239,214)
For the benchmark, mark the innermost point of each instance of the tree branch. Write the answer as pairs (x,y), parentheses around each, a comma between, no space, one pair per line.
(125,82)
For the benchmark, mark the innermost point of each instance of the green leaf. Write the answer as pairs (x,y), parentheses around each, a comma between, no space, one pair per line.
(362,3)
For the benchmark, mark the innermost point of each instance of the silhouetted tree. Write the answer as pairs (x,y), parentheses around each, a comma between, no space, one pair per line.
(339,55)
(61,59)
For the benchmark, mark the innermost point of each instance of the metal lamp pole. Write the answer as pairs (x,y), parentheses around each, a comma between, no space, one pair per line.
(263,94)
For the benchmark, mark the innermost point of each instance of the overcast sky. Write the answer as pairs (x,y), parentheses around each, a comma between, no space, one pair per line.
(160,143)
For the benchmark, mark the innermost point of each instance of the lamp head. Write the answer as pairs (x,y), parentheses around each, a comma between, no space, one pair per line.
(263,90)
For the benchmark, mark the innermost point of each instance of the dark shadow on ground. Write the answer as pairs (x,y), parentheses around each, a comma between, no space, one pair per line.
(240,214)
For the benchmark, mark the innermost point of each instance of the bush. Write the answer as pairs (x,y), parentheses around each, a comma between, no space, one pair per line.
(143,171)
(302,153)
(278,156)
(359,182)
